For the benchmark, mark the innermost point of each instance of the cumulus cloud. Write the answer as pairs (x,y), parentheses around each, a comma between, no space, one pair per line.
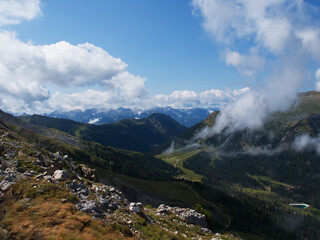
(26,71)
(14,11)
(282,40)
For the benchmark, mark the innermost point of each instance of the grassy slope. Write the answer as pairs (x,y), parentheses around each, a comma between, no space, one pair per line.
(172,192)
(176,159)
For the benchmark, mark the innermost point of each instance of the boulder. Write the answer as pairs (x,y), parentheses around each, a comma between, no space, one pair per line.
(88,173)
(163,209)
(136,207)
(90,207)
(5,185)
(193,217)
(61,175)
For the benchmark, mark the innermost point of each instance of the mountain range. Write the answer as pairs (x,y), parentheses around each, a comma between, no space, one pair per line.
(245,181)
(186,117)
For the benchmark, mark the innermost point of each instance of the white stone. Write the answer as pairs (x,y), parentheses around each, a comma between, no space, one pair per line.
(61,175)
(135,207)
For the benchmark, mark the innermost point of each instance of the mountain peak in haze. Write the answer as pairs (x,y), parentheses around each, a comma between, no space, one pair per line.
(186,117)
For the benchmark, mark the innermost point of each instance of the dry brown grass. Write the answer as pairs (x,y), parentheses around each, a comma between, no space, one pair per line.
(50,219)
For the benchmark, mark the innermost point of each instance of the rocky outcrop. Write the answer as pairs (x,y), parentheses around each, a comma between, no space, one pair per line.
(97,199)
(88,173)
(190,216)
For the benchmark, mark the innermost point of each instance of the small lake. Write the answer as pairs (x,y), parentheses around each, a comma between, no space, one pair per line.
(299,205)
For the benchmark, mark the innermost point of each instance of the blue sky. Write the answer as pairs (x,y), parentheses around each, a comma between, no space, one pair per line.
(79,54)
(160,40)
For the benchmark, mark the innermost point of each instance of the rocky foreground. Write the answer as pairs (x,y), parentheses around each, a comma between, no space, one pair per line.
(47,195)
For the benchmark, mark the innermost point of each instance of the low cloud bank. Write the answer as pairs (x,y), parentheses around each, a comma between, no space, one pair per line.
(301,143)
(307,143)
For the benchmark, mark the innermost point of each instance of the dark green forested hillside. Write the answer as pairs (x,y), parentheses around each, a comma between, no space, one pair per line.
(140,135)
(265,164)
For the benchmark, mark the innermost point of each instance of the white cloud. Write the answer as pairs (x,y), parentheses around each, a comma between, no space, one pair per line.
(76,65)
(263,20)
(305,142)
(317,75)
(26,71)
(251,109)
(280,36)
(246,64)
(111,99)
(91,99)
(14,11)
(191,99)
(94,121)
(310,39)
